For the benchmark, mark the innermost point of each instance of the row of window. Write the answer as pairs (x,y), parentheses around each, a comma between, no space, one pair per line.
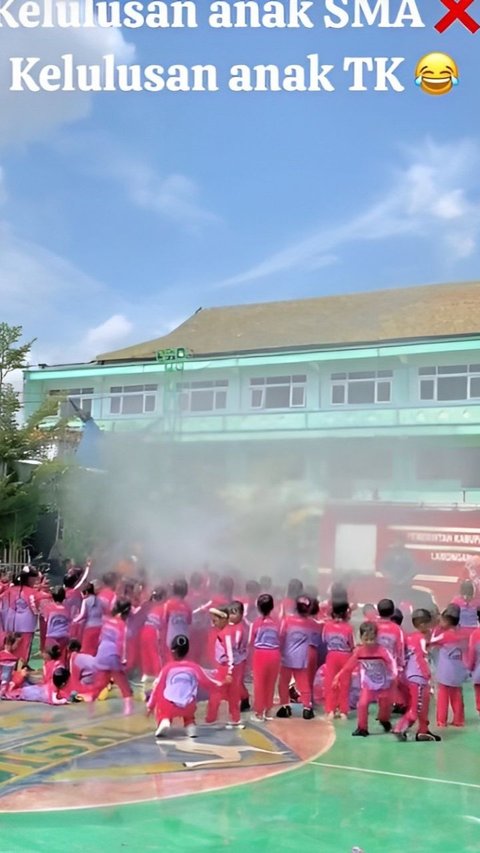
(355,388)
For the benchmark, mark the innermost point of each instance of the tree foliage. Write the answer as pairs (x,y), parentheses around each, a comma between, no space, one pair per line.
(20,500)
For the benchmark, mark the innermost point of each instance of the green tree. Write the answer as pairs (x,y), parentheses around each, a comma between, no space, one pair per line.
(19,501)
(13,357)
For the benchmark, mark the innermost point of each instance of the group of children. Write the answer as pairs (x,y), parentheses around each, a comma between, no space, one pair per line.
(193,641)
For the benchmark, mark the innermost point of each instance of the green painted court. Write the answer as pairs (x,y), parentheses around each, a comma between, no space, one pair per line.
(377,794)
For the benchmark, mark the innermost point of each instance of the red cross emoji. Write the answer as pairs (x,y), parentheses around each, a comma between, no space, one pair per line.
(457,12)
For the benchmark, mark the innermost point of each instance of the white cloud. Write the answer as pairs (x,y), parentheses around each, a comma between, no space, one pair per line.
(174,197)
(65,309)
(109,334)
(435,197)
(28,116)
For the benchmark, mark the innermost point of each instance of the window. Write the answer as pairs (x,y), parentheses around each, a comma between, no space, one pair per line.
(202,396)
(133,399)
(80,397)
(457,464)
(278,392)
(452,382)
(364,387)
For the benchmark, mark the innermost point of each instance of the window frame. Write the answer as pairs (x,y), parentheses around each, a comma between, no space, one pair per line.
(194,387)
(78,395)
(293,382)
(345,378)
(120,393)
(434,373)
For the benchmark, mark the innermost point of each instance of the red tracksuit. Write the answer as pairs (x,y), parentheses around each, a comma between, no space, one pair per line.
(108,598)
(315,656)
(295,634)
(392,638)
(58,626)
(451,673)
(211,638)
(265,639)
(82,674)
(111,657)
(417,677)
(152,639)
(21,609)
(174,693)
(338,636)
(377,673)
(229,665)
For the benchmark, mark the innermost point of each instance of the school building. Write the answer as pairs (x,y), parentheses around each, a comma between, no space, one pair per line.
(359,399)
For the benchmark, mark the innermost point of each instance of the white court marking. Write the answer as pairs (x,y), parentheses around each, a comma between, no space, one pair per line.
(390,773)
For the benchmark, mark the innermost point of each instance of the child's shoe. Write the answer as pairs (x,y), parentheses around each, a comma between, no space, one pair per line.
(284,711)
(308,714)
(401,736)
(231,726)
(162,727)
(360,733)
(424,736)
(191,730)
(387,726)
(257,718)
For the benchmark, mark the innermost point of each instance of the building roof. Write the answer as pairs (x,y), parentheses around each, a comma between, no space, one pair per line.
(409,313)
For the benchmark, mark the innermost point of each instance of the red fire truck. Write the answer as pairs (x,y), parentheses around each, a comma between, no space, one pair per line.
(375,545)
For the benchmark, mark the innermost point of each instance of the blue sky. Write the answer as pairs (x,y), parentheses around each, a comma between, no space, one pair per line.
(121,214)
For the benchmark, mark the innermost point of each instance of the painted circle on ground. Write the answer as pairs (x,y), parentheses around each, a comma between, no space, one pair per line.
(71,758)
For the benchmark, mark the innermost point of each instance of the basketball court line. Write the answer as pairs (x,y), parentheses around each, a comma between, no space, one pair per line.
(391,773)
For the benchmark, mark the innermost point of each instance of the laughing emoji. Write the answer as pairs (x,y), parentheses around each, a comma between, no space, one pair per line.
(436,73)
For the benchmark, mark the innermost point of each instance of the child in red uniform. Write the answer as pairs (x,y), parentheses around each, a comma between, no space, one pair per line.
(417,676)
(83,669)
(216,601)
(151,635)
(57,620)
(468,602)
(90,619)
(111,657)
(295,635)
(317,649)
(228,672)
(377,673)
(338,636)
(288,605)
(451,671)
(21,601)
(8,662)
(240,647)
(473,661)
(107,593)
(392,638)
(177,615)
(265,639)
(175,691)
